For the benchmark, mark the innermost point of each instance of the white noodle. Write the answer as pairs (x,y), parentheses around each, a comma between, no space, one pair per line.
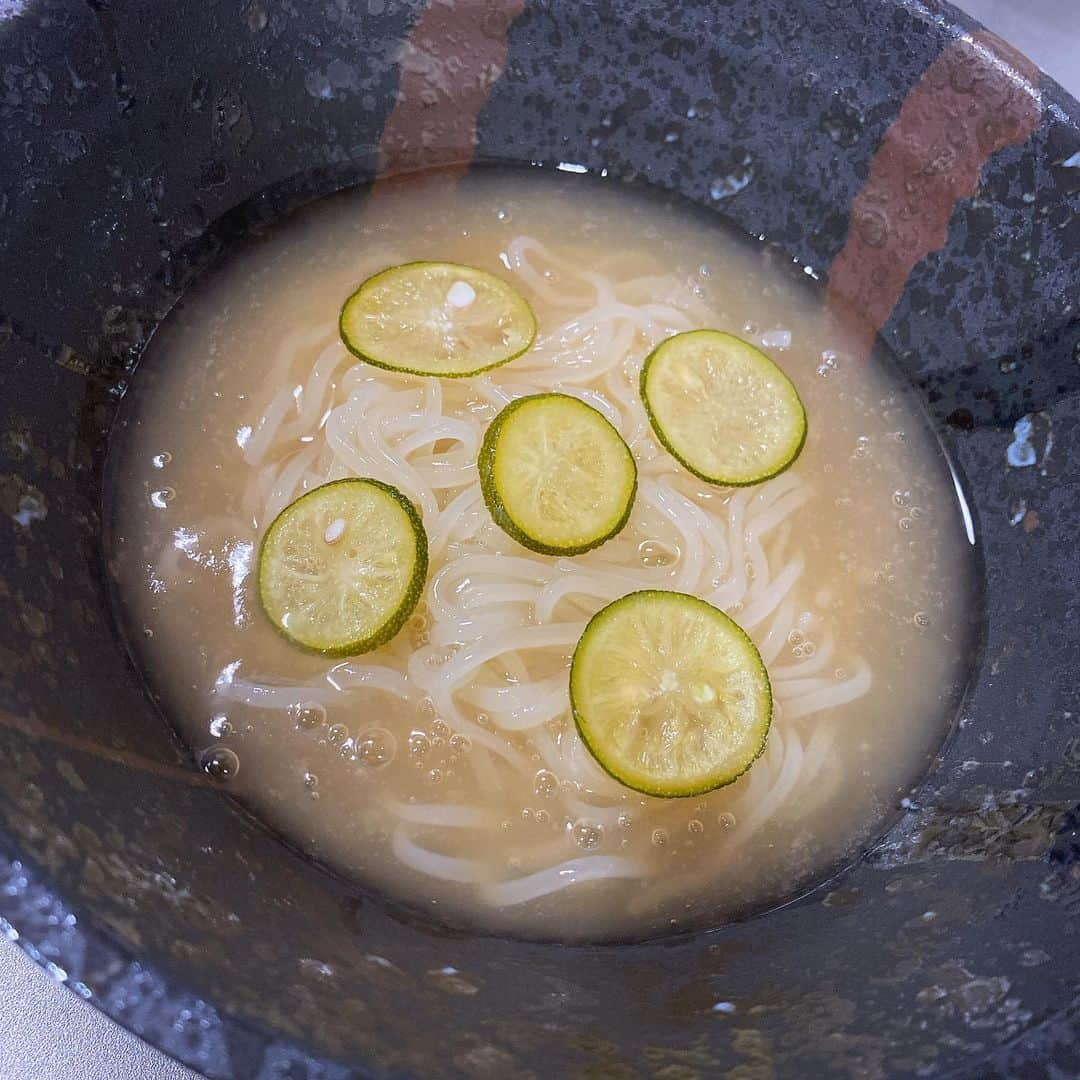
(443,867)
(766,601)
(350,675)
(444,815)
(830,698)
(556,878)
(312,397)
(500,623)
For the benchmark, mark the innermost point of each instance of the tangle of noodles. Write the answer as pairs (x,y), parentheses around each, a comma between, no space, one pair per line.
(489,649)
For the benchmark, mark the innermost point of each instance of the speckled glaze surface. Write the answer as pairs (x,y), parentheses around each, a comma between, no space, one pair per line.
(140,139)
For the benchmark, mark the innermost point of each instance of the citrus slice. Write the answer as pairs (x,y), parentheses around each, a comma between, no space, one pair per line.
(669,694)
(556,475)
(722,407)
(342,567)
(434,318)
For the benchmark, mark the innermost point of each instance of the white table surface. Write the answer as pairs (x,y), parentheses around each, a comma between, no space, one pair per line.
(47,1033)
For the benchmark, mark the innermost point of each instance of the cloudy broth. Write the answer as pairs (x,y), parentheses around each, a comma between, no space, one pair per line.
(443,769)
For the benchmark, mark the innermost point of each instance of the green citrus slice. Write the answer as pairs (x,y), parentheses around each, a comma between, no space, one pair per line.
(341,568)
(434,318)
(556,475)
(669,694)
(722,407)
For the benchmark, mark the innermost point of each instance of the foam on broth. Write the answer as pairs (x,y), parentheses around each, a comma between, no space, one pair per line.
(443,768)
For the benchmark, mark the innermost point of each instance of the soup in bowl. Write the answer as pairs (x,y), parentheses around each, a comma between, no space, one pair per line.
(440,761)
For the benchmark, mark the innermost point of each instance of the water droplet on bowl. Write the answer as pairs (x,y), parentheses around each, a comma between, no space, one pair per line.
(220,727)
(724,187)
(220,763)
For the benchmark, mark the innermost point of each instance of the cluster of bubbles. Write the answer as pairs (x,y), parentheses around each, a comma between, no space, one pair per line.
(373,746)
(828,363)
(587,834)
(435,748)
(801,645)
(885,575)
(546,784)
(911,513)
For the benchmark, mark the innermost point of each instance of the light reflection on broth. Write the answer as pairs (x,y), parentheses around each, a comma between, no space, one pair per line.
(443,768)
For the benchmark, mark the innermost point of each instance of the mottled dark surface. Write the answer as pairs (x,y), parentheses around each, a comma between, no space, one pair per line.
(130,132)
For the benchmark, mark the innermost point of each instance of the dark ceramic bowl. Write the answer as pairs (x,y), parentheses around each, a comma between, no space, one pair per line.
(932,177)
